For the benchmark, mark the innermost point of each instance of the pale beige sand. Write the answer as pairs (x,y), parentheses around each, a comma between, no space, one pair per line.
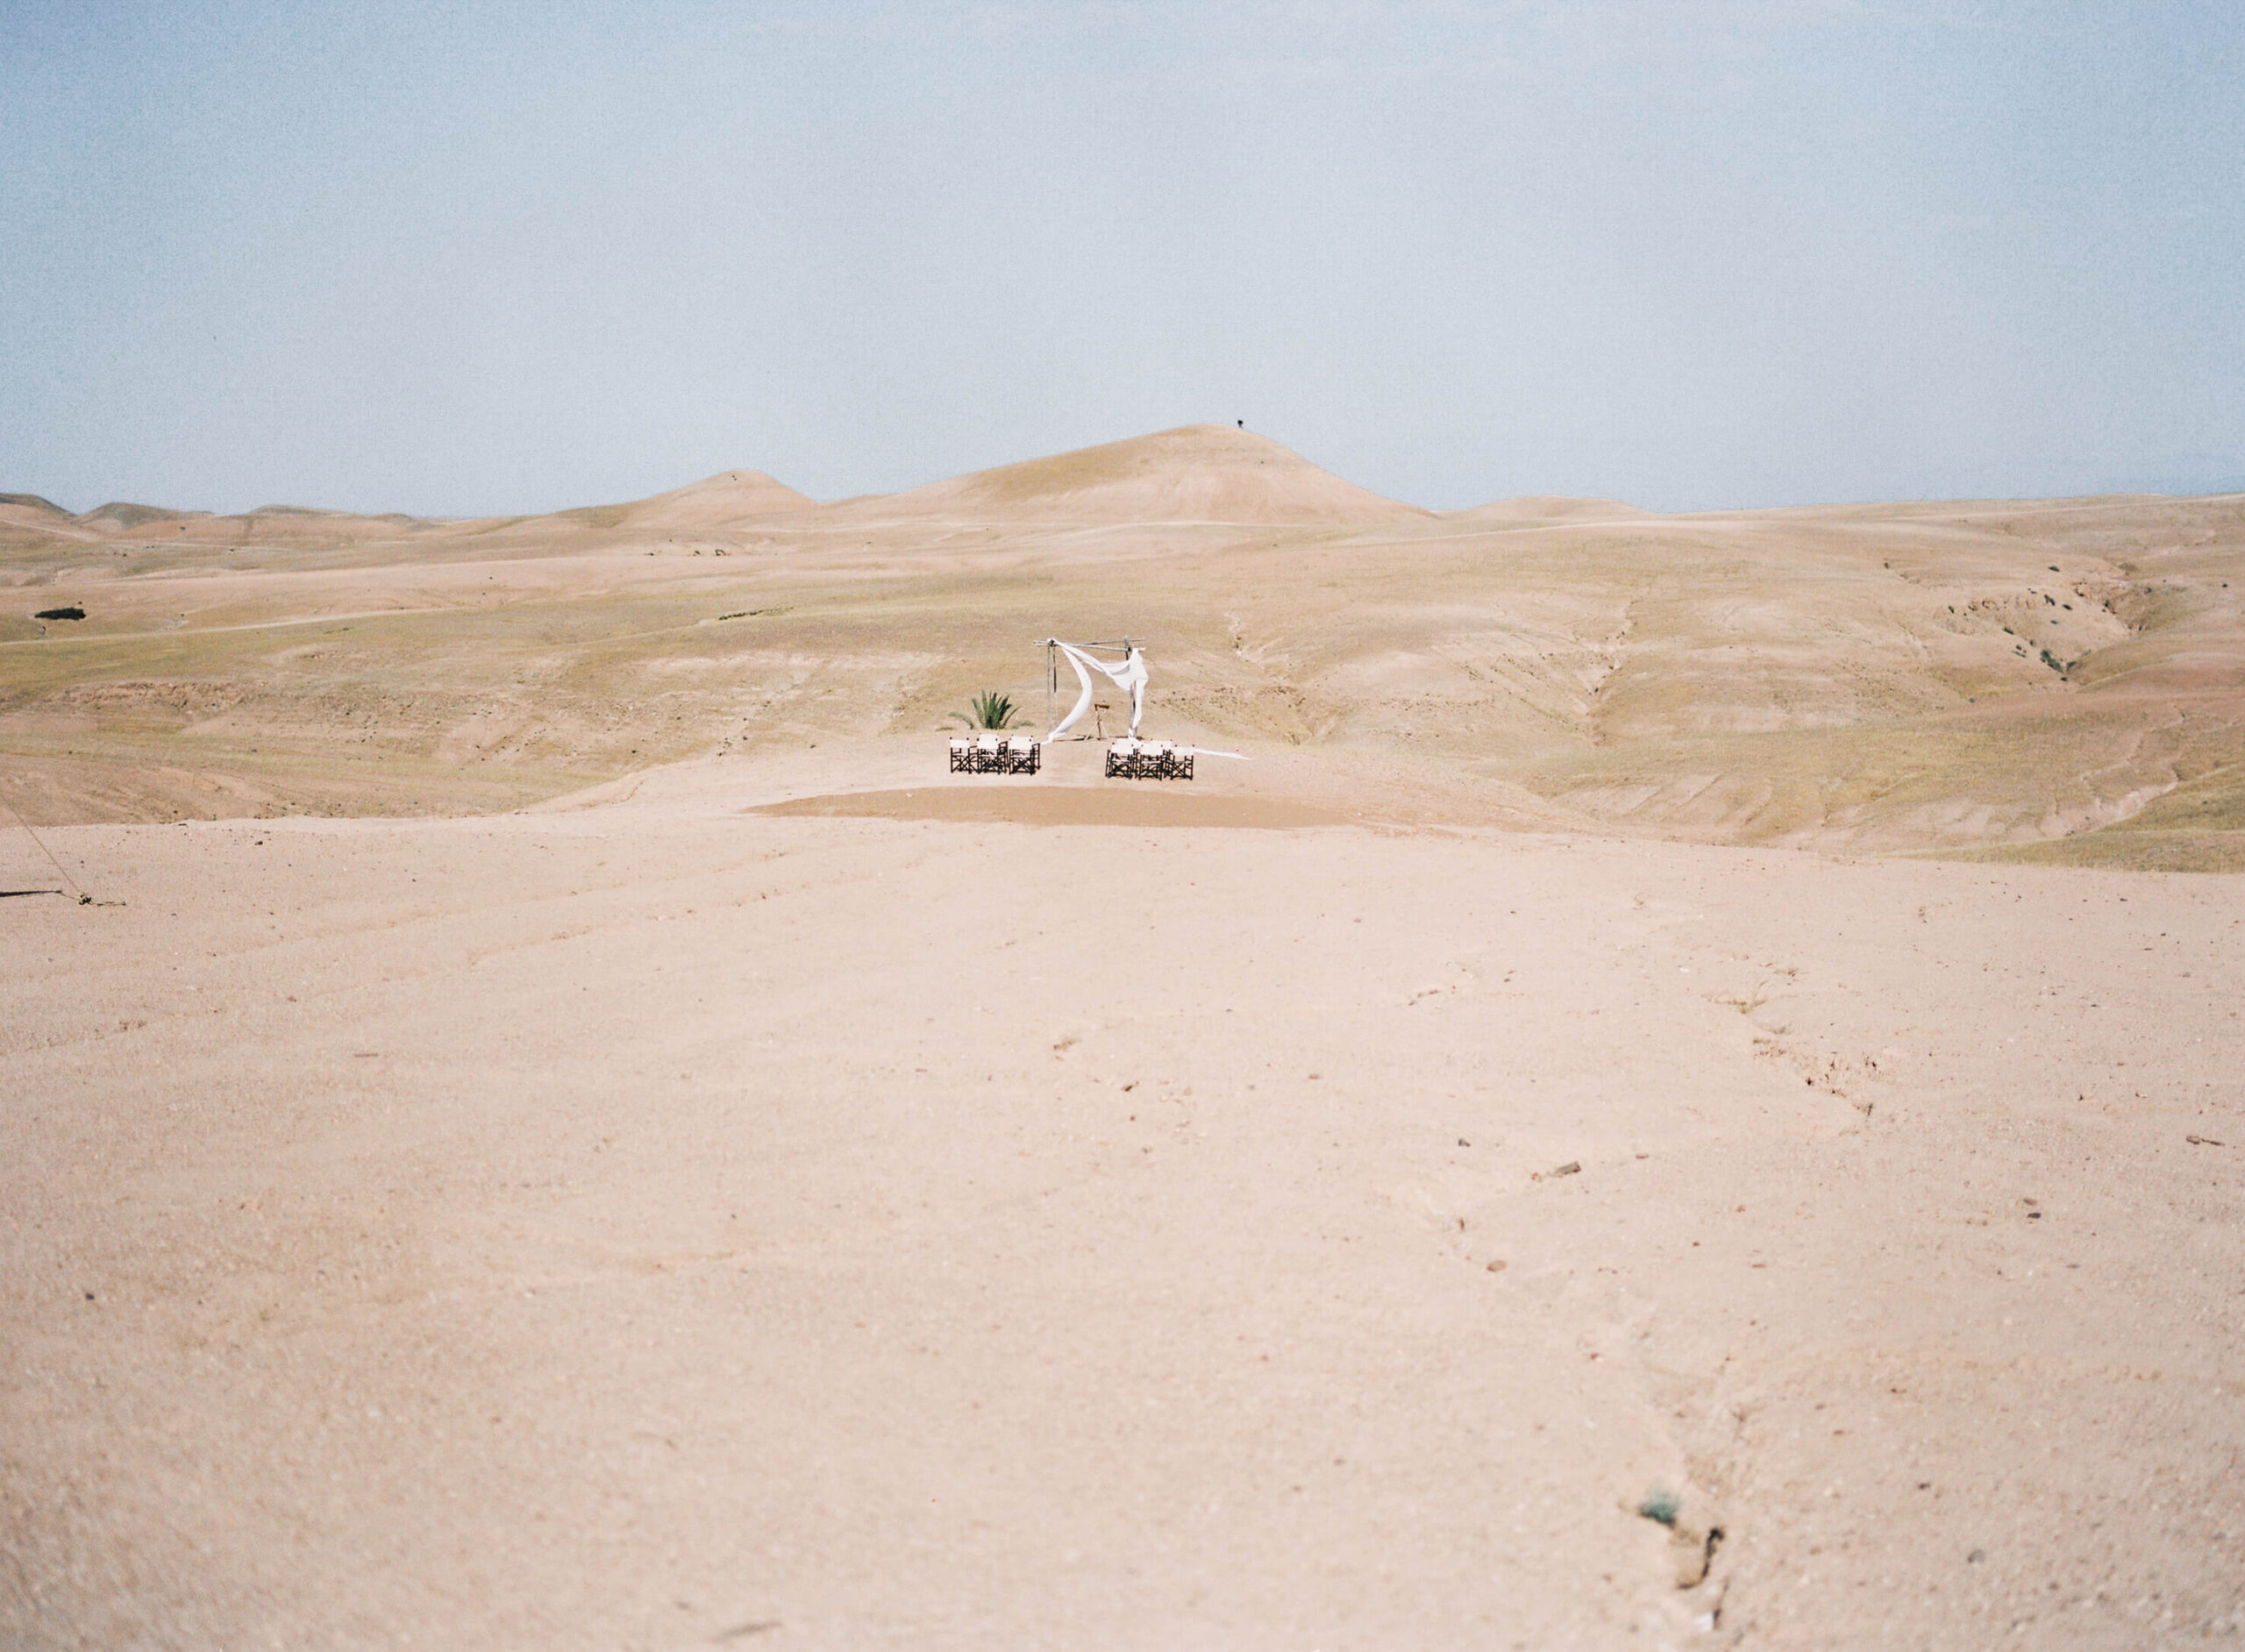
(626,1225)
(768,1191)
(1026,803)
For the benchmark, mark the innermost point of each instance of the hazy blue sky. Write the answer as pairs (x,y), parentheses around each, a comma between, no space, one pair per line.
(469,258)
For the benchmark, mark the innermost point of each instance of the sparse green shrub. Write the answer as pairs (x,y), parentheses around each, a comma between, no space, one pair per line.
(990,710)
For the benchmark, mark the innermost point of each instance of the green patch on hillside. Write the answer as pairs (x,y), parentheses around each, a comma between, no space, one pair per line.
(2197,827)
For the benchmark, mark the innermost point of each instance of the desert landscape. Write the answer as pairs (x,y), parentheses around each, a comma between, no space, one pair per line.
(1688,1091)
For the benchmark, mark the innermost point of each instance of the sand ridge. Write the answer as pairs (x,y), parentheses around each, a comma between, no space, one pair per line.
(1196,474)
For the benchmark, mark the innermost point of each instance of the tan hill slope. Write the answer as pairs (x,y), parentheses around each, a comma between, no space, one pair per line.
(267,524)
(722,501)
(2055,677)
(1540,508)
(1197,473)
(26,519)
(719,502)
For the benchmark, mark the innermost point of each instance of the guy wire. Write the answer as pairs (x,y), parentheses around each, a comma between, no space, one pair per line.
(84,900)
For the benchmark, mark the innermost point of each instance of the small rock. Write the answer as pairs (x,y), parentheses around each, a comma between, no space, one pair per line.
(1572,1167)
(1497,1266)
(1693,1552)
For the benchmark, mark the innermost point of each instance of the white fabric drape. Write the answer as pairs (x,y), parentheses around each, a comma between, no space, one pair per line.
(1131,674)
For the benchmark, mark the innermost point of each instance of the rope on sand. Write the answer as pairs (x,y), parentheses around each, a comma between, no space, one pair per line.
(84,900)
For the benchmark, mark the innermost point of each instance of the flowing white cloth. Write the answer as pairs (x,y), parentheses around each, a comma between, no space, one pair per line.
(1131,674)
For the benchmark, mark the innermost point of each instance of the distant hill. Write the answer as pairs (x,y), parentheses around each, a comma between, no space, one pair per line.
(1200,473)
(33,501)
(118,517)
(717,501)
(1532,508)
(268,524)
(27,518)
(724,501)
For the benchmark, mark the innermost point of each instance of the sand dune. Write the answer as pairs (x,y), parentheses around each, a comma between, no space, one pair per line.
(1546,508)
(724,501)
(1200,473)
(719,502)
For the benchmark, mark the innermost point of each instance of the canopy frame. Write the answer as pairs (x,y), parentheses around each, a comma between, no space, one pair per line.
(1129,675)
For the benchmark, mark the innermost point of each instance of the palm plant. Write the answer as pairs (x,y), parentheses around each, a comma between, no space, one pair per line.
(990,710)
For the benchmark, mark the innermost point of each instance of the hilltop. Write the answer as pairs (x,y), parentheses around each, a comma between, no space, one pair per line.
(1195,473)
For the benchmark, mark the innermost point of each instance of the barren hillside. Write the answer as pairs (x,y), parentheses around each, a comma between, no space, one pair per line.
(719,1178)
(2059,678)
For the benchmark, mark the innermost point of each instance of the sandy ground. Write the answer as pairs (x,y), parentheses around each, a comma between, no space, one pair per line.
(662,1223)
(559,1123)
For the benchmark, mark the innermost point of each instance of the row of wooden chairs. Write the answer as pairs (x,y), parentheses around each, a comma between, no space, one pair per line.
(1129,759)
(995,754)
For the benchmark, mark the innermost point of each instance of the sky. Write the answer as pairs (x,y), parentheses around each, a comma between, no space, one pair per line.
(467,259)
